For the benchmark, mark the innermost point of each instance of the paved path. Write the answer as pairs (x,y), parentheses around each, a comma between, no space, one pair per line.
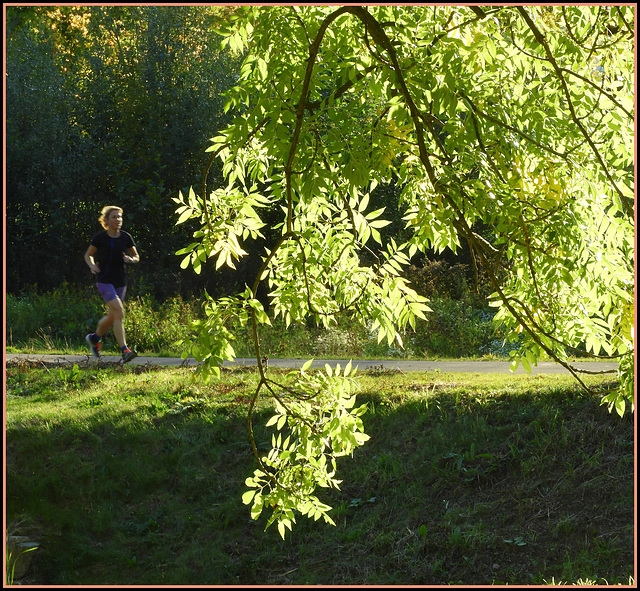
(544,367)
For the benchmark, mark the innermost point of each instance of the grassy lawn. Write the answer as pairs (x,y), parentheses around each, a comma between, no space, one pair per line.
(133,476)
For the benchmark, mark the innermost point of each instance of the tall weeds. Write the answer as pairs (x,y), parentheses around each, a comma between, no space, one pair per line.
(60,319)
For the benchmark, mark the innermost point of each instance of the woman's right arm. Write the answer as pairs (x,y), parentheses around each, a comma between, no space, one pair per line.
(88,258)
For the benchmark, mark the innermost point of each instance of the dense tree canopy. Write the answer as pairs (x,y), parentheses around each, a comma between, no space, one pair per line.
(508,128)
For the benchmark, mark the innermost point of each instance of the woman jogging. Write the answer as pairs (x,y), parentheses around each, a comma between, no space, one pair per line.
(108,252)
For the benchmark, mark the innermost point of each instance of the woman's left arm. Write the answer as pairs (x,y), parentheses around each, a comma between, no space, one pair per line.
(133,256)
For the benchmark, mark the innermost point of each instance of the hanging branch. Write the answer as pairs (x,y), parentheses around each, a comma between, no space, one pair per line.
(565,89)
(461,224)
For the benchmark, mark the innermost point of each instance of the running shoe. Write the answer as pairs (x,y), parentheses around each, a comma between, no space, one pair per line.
(95,347)
(128,354)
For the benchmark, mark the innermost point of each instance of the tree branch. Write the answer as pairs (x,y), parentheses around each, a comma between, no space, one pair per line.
(313,53)
(624,20)
(511,128)
(611,97)
(540,38)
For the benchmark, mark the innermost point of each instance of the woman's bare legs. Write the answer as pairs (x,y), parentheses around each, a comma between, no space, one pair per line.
(114,318)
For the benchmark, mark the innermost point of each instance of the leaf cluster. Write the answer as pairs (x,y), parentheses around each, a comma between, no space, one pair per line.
(316,422)
(513,119)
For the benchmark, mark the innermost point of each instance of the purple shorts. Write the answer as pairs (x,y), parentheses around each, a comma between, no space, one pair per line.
(109,292)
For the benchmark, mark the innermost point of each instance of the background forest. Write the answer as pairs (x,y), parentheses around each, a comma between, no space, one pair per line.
(106,105)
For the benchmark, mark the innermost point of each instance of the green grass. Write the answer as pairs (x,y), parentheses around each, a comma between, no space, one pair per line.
(133,475)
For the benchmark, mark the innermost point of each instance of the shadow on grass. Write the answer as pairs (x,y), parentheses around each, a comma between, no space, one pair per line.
(454,487)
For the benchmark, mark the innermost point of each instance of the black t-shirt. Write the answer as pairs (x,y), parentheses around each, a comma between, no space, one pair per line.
(109,257)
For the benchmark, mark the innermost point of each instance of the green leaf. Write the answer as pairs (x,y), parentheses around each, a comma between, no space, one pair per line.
(247,497)
(256,510)
(531,358)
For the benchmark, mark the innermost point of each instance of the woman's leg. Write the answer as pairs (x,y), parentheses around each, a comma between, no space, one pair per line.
(113,297)
(105,323)
(115,318)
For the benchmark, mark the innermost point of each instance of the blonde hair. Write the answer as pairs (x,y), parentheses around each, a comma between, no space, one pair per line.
(106,212)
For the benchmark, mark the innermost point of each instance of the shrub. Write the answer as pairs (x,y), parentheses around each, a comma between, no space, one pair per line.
(61,318)
(156,327)
(455,328)
(65,315)
(61,315)
(439,279)
(300,341)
